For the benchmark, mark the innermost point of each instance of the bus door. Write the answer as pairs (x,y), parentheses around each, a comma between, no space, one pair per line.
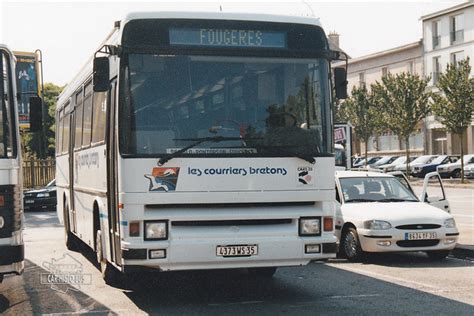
(72,208)
(112,188)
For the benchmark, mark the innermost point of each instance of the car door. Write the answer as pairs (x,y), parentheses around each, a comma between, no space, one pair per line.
(433,192)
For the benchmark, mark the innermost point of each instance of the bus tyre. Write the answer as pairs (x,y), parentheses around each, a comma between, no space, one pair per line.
(109,273)
(350,245)
(68,236)
(266,273)
(437,254)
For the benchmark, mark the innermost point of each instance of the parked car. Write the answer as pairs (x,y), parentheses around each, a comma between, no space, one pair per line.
(421,170)
(379,212)
(384,160)
(397,162)
(469,170)
(371,160)
(453,169)
(41,199)
(418,161)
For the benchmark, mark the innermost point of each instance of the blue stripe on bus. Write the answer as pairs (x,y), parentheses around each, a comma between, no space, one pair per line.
(123,223)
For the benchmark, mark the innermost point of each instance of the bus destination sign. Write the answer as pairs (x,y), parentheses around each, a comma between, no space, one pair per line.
(227,38)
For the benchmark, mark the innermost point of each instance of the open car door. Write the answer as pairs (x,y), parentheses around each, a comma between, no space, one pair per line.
(433,192)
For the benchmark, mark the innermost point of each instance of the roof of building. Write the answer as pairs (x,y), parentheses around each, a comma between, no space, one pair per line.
(448,10)
(387,52)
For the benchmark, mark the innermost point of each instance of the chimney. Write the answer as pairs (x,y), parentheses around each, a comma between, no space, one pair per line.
(334,38)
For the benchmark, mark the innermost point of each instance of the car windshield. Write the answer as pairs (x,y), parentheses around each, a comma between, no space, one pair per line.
(438,160)
(375,189)
(257,106)
(399,160)
(423,159)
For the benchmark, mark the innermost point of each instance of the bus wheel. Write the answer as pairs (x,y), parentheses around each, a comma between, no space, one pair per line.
(71,243)
(109,273)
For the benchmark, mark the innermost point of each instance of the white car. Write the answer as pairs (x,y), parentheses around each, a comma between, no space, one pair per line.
(454,169)
(417,162)
(397,162)
(379,212)
(469,170)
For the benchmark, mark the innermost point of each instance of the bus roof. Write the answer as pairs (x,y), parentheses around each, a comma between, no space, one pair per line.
(115,34)
(222,16)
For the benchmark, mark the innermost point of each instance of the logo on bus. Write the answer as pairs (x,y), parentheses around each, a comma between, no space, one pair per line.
(304,175)
(163,179)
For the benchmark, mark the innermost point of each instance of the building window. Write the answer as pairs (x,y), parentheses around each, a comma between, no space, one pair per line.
(361,79)
(457,29)
(456,58)
(410,67)
(436,69)
(436,27)
(384,71)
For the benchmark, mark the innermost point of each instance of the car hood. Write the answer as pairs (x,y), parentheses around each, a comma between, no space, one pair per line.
(397,213)
(44,190)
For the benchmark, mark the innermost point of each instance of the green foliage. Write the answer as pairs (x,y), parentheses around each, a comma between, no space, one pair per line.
(455,105)
(42,144)
(404,102)
(361,112)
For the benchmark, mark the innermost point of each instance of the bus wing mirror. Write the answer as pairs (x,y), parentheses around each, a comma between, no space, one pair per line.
(340,82)
(36,114)
(101,74)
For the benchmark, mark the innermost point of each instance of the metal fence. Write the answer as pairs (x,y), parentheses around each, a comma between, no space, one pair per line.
(38,173)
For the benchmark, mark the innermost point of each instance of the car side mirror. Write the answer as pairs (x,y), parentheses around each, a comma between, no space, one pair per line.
(101,74)
(340,82)
(36,114)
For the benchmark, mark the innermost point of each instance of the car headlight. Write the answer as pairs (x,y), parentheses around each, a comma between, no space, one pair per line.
(43,195)
(377,225)
(156,230)
(2,222)
(450,223)
(310,226)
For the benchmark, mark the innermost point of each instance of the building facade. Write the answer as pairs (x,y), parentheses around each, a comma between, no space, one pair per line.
(448,37)
(367,70)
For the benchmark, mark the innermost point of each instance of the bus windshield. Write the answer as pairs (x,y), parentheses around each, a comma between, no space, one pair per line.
(258,106)
(7,137)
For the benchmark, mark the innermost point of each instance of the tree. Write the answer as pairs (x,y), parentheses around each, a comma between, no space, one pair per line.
(360,111)
(454,106)
(404,101)
(42,144)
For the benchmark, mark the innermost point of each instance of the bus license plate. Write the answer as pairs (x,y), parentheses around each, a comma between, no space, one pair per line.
(418,236)
(237,251)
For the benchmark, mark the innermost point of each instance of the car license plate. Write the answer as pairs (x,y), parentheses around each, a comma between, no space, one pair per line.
(30,201)
(237,251)
(418,236)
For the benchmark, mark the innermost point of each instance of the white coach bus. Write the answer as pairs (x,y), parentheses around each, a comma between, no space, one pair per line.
(201,141)
(11,209)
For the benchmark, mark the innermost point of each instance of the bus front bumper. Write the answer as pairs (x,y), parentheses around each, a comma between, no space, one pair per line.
(202,254)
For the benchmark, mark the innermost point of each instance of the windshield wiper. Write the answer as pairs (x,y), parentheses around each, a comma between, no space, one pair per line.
(396,200)
(277,150)
(197,141)
(360,200)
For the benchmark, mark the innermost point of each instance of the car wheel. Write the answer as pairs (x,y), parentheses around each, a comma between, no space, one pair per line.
(71,242)
(266,273)
(438,254)
(350,245)
(456,173)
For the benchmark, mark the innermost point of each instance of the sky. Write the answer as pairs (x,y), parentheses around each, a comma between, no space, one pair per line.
(68,32)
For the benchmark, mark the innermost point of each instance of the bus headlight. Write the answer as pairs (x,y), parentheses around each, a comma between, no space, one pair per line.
(156,230)
(310,226)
